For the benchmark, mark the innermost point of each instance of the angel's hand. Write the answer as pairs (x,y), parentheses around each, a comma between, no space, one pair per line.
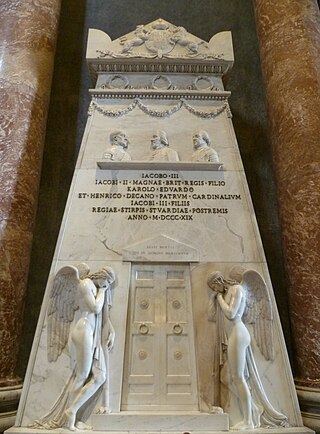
(103,288)
(110,341)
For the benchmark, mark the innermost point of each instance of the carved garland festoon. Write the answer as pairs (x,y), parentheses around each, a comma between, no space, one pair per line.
(157,113)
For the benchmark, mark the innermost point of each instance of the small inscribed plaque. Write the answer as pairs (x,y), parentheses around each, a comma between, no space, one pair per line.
(160,249)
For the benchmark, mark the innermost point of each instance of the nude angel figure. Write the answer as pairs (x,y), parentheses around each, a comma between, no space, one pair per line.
(248,301)
(79,309)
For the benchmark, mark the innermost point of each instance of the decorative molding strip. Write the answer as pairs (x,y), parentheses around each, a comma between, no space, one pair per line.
(102,54)
(229,112)
(156,113)
(161,165)
(152,87)
(309,399)
(161,67)
(100,65)
(216,95)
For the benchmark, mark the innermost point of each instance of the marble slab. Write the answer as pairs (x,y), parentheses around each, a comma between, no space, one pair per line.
(154,165)
(164,422)
(140,126)
(300,430)
(209,211)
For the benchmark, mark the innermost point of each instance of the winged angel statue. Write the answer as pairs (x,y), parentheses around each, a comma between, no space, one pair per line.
(78,318)
(235,302)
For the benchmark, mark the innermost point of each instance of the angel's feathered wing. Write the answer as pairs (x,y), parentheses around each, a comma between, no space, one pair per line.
(259,312)
(62,305)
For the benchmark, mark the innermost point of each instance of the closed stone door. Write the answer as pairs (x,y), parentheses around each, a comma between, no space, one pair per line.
(160,370)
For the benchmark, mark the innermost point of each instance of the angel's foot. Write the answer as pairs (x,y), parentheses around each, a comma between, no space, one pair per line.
(216,410)
(104,410)
(243,426)
(83,426)
(70,419)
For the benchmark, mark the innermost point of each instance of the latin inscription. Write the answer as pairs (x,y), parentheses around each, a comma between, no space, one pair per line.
(159,197)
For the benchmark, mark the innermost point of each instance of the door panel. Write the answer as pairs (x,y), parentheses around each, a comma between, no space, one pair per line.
(160,371)
(144,305)
(176,305)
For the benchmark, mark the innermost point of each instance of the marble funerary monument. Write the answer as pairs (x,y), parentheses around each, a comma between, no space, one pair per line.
(159,313)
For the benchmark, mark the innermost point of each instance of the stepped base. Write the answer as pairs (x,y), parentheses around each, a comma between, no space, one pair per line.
(296,430)
(172,422)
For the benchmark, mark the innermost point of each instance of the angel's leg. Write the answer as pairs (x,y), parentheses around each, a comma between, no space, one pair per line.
(82,338)
(108,339)
(239,340)
(98,377)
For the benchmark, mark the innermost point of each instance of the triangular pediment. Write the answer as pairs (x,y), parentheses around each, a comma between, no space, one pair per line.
(160,249)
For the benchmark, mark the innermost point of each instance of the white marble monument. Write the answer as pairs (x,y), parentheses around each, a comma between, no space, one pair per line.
(159,313)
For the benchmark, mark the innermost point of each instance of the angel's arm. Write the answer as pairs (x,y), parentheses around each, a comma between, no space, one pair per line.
(212,307)
(109,331)
(111,335)
(230,310)
(93,303)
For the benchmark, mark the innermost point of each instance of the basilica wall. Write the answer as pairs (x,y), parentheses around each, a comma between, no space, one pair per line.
(256,136)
